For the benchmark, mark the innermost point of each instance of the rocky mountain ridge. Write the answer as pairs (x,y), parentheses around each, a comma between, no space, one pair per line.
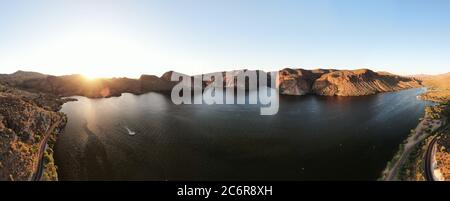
(328,82)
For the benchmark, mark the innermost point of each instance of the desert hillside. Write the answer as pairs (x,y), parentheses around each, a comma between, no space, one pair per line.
(73,85)
(28,121)
(341,82)
(327,82)
(438,87)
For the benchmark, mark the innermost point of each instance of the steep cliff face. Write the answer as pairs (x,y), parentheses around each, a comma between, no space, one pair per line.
(360,82)
(341,82)
(26,125)
(299,81)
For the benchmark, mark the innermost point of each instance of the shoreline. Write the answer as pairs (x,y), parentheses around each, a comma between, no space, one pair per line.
(280,94)
(418,138)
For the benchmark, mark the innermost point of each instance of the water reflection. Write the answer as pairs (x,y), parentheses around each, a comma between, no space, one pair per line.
(94,162)
(310,138)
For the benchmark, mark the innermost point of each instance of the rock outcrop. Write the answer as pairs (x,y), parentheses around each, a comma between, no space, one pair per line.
(341,82)
(299,81)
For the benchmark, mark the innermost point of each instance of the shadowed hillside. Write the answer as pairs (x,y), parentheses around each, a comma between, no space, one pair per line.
(72,85)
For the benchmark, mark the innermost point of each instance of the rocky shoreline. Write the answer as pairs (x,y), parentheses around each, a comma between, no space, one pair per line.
(412,165)
(30,104)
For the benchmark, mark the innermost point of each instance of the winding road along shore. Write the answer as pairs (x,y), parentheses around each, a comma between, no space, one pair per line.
(412,141)
(428,160)
(42,146)
(429,175)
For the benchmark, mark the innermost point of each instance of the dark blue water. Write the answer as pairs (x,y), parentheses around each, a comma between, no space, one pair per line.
(311,138)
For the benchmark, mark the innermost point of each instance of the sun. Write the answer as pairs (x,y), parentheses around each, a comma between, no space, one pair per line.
(91,76)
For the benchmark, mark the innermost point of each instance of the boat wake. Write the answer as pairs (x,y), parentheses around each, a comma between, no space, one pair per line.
(130,132)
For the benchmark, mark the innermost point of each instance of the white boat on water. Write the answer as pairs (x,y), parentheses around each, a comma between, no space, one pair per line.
(130,132)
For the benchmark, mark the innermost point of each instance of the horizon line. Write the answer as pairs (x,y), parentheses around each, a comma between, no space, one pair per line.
(137,77)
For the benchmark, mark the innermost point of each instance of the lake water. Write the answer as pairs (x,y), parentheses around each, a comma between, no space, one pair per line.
(311,138)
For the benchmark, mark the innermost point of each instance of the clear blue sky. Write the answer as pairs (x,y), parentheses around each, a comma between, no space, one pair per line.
(113,38)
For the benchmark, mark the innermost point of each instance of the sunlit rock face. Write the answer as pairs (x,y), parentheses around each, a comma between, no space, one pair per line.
(298,81)
(360,82)
(330,82)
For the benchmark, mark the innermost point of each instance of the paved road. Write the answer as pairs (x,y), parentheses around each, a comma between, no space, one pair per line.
(428,161)
(428,157)
(43,145)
